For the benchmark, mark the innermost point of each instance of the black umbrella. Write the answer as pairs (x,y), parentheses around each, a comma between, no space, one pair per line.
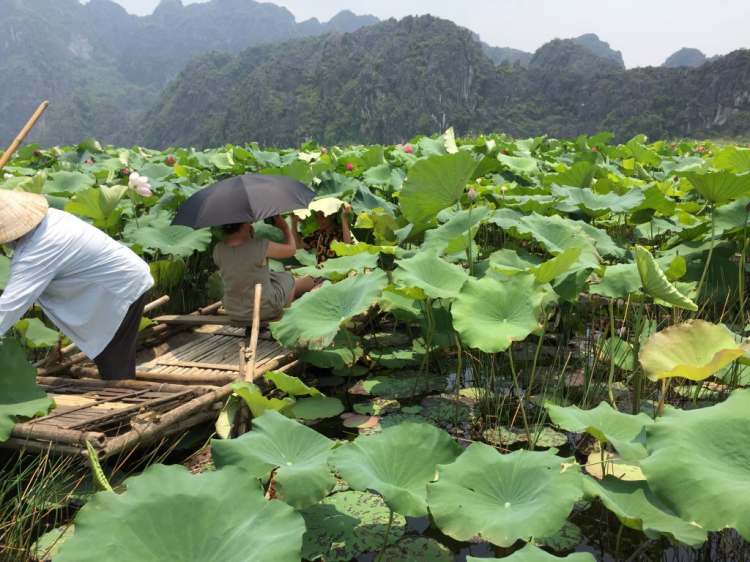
(247,198)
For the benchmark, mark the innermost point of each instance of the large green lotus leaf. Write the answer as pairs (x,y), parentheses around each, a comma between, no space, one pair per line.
(520,165)
(620,351)
(638,508)
(328,205)
(603,242)
(401,384)
(531,553)
(422,549)
(397,463)
(336,269)
(169,514)
(316,407)
(490,314)
(692,350)
(455,235)
(435,277)
(510,261)
(626,432)
(503,498)
(176,240)
(347,524)
(67,183)
(643,154)
(19,394)
(656,283)
(555,234)
(581,174)
(97,203)
(156,171)
(35,333)
(556,266)
(732,217)
(259,404)
(314,320)
(433,184)
(699,463)
(290,385)
(4,271)
(342,249)
(733,160)
(596,205)
(298,454)
(402,307)
(618,281)
(344,352)
(168,273)
(720,187)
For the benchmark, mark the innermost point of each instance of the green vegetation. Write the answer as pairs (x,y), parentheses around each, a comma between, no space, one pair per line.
(518,289)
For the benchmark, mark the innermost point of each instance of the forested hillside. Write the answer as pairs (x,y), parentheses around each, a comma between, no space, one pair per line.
(386,82)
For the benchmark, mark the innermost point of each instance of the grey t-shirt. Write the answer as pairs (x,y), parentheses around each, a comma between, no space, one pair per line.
(241,269)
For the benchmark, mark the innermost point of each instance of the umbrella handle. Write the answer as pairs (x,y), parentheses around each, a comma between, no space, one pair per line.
(19,139)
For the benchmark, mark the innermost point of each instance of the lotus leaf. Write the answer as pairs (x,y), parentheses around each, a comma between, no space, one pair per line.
(442,408)
(558,265)
(394,420)
(401,384)
(699,464)
(455,235)
(4,271)
(627,433)
(157,519)
(342,249)
(97,203)
(720,187)
(314,320)
(336,269)
(67,183)
(297,454)
(503,498)
(347,524)
(47,546)
(618,281)
(638,508)
(168,273)
(510,261)
(396,358)
(490,314)
(520,165)
(35,333)
(601,463)
(733,160)
(338,355)
(433,276)
(568,537)
(732,217)
(555,234)
(328,205)
(290,385)
(378,407)
(694,350)
(541,436)
(316,407)
(258,403)
(580,174)
(411,549)
(655,282)
(398,463)
(225,421)
(433,184)
(175,240)
(20,396)
(531,553)
(596,205)
(619,351)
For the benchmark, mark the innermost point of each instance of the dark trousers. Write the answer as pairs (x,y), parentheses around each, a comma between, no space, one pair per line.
(117,361)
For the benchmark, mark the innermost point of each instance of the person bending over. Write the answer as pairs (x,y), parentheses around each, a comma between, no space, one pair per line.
(328,232)
(243,262)
(92,287)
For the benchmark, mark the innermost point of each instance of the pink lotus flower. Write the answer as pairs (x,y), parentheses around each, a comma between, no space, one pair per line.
(140,184)
(593,149)
(699,149)
(506,153)
(126,172)
(672,144)
(349,167)
(472,193)
(170,160)
(408,149)
(324,150)
(89,161)
(143,191)
(399,145)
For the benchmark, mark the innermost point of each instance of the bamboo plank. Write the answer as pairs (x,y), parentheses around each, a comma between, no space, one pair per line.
(210,366)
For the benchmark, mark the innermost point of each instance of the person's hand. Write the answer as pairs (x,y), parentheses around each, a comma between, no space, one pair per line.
(279,222)
(295,220)
(346,210)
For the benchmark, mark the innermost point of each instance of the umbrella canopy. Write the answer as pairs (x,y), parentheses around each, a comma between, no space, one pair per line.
(246,198)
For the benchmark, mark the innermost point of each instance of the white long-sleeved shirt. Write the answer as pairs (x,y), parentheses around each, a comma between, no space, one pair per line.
(84,280)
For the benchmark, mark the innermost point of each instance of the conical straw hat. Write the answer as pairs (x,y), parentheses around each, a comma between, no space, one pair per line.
(19,213)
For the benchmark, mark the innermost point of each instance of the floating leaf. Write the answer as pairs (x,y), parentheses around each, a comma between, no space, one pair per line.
(19,394)
(694,350)
(531,553)
(638,508)
(398,463)
(411,549)
(347,524)
(503,498)
(378,407)
(601,463)
(699,464)
(361,421)
(297,454)
(490,314)
(401,384)
(290,385)
(156,520)
(316,407)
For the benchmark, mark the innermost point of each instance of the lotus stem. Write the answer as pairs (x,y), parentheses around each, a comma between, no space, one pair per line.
(637,377)
(741,284)
(660,408)
(428,345)
(385,539)
(538,350)
(611,352)
(618,541)
(710,252)
(458,379)
(469,257)
(520,399)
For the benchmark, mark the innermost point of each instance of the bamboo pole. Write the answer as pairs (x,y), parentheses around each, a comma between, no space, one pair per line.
(154,386)
(247,371)
(29,430)
(19,139)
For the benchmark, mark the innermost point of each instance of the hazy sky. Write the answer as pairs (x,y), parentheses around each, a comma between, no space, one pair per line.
(645,31)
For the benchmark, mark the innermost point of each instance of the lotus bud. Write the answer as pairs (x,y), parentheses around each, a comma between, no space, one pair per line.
(472,193)
(89,161)
(506,153)
(399,145)
(349,167)
(503,189)
(672,144)
(144,190)
(676,178)
(699,149)
(479,181)
(7,176)
(126,172)
(408,149)
(324,150)
(37,154)
(170,160)
(593,149)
